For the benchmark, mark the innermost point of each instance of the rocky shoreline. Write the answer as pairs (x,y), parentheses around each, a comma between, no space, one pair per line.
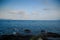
(28,37)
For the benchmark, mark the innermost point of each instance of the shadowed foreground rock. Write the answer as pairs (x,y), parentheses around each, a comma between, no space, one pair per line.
(14,37)
(29,37)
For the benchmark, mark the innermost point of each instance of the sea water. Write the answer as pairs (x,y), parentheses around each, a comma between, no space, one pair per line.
(35,26)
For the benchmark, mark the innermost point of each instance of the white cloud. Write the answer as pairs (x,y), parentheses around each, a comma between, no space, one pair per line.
(23,15)
(16,15)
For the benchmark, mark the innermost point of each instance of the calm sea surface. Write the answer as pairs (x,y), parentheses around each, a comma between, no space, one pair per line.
(11,26)
(8,26)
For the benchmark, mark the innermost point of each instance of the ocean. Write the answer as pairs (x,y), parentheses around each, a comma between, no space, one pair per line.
(35,26)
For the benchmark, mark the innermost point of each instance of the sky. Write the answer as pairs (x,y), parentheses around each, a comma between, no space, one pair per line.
(30,9)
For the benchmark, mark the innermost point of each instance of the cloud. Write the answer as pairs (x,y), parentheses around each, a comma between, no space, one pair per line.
(15,15)
(35,15)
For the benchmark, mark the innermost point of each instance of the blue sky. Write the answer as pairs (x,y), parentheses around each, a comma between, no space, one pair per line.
(30,9)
